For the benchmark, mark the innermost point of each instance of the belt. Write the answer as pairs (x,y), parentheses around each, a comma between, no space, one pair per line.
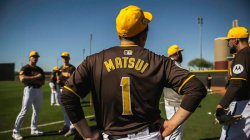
(152,128)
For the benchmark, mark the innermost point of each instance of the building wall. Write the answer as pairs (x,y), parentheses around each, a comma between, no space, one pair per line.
(221,52)
(7,72)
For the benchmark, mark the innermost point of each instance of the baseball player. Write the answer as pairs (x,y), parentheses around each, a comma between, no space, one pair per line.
(209,82)
(171,98)
(33,78)
(126,83)
(54,98)
(236,121)
(66,71)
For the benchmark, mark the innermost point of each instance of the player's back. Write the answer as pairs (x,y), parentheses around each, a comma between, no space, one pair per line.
(127,86)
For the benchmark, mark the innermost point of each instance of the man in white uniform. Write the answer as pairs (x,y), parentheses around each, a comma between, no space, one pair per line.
(55,91)
(33,78)
(171,98)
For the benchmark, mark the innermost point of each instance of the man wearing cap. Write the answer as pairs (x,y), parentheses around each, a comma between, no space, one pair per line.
(237,97)
(33,78)
(126,82)
(171,98)
(54,98)
(66,70)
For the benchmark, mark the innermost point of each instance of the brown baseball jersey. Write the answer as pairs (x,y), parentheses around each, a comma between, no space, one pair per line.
(239,87)
(126,84)
(65,72)
(29,70)
(53,76)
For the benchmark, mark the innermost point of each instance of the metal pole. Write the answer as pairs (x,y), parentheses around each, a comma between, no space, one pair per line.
(83,52)
(57,62)
(90,46)
(200,22)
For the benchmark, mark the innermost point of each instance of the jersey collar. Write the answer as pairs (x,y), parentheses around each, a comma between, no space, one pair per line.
(128,45)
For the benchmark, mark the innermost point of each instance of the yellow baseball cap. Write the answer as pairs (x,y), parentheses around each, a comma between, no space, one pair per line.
(34,53)
(55,68)
(174,49)
(131,21)
(65,54)
(237,32)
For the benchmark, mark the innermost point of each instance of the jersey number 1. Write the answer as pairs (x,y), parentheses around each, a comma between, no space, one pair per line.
(126,100)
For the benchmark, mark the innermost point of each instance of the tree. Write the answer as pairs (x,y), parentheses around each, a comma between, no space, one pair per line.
(200,63)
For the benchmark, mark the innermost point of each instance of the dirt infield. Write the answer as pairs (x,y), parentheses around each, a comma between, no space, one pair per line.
(218,90)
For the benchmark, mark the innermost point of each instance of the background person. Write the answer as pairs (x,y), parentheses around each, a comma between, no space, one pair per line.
(171,98)
(66,70)
(209,82)
(33,78)
(55,91)
(237,96)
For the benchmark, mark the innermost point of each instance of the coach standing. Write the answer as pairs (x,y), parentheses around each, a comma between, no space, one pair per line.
(237,96)
(126,82)
(33,78)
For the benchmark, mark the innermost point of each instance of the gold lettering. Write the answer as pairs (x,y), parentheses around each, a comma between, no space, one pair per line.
(109,65)
(131,62)
(144,67)
(118,62)
(139,64)
(125,59)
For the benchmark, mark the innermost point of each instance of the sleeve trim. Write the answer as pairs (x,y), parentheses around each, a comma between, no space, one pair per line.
(238,79)
(72,91)
(179,90)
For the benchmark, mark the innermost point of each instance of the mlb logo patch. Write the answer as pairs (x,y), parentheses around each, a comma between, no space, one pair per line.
(128,52)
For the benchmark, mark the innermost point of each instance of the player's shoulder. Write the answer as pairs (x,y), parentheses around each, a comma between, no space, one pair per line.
(246,51)
(243,54)
(26,67)
(72,66)
(39,68)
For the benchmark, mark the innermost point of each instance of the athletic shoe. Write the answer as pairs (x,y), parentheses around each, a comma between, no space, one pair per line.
(57,105)
(16,136)
(71,132)
(64,130)
(36,133)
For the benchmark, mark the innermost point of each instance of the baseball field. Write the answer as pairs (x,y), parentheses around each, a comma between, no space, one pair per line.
(200,126)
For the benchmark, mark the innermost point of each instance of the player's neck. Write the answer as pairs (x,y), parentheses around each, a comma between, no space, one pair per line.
(127,43)
(66,64)
(32,64)
(242,46)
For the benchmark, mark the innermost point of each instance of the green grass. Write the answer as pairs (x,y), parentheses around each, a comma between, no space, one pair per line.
(199,126)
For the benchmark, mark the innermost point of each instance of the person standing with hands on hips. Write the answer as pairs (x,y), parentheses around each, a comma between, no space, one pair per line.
(236,121)
(33,78)
(126,83)
(171,98)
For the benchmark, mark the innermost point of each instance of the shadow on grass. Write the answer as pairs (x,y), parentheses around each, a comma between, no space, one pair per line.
(214,138)
(45,134)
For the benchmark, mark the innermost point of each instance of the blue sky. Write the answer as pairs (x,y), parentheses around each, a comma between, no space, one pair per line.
(53,26)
